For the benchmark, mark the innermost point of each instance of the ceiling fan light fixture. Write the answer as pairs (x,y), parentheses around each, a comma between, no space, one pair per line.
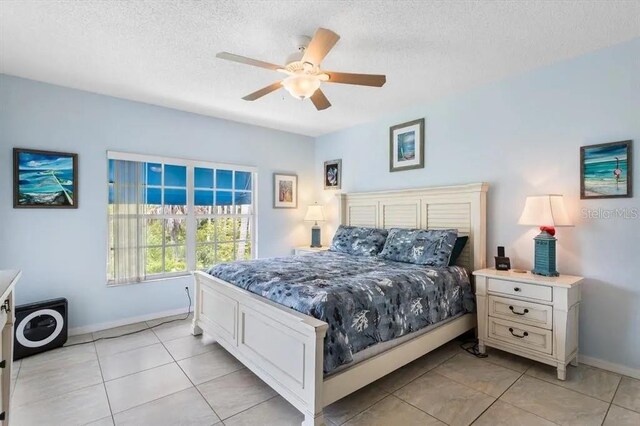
(303,70)
(301,86)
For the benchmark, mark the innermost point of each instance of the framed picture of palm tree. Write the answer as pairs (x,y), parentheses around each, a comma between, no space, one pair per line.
(285,191)
(406,146)
(45,179)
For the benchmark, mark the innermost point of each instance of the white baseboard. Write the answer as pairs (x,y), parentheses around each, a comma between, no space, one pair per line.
(126,321)
(610,366)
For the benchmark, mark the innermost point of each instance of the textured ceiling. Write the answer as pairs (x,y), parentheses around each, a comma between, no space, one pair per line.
(163,52)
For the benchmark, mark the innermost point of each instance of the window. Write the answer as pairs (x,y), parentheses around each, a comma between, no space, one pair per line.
(223,210)
(170,216)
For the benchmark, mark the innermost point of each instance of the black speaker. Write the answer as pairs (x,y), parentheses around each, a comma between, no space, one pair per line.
(40,327)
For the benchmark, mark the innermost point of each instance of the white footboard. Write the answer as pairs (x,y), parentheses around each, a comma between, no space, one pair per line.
(283,347)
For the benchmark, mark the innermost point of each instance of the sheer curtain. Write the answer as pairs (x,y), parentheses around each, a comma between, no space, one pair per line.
(128,224)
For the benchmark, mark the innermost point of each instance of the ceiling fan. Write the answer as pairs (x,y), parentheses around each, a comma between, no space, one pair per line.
(303,70)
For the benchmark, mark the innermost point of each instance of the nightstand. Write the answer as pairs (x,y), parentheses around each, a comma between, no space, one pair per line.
(308,250)
(529,315)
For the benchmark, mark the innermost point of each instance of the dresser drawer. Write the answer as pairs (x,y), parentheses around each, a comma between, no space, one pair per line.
(525,336)
(524,312)
(530,291)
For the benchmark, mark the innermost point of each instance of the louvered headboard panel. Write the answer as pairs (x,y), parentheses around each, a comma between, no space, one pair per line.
(363,215)
(452,216)
(400,214)
(461,207)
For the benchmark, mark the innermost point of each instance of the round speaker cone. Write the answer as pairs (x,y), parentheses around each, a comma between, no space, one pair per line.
(39,328)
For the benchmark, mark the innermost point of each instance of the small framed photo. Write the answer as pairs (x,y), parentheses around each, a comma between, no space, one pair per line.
(333,174)
(45,179)
(285,191)
(606,170)
(406,146)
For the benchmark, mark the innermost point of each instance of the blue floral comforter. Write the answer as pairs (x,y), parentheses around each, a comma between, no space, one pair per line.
(364,299)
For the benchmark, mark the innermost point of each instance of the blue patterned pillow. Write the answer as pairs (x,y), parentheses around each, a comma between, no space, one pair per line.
(420,246)
(358,241)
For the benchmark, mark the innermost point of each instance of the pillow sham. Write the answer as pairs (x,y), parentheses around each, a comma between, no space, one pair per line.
(457,249)
(420,246)
(358,240)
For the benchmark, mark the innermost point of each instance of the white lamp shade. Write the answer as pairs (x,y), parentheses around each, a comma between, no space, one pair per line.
(314,213)
(545,210)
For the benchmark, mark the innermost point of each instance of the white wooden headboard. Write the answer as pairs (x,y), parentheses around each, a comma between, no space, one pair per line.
(461,207)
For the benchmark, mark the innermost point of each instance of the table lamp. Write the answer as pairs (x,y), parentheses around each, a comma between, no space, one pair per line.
(547,212)
(315,214)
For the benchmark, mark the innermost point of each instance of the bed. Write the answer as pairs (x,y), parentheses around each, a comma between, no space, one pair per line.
(286,348)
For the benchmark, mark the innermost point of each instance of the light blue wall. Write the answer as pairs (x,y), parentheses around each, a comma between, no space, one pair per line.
(522,135)
(63,252)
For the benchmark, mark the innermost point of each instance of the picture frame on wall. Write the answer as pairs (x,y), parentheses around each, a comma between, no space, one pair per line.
(45,179)
(333,174)
(406,146)
(606,170)
(285,191)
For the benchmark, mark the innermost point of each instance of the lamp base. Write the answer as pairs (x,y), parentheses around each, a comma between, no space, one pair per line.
(545,255)
(315,237)
(545,273)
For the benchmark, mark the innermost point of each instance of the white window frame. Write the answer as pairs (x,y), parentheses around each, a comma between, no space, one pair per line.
(191,217)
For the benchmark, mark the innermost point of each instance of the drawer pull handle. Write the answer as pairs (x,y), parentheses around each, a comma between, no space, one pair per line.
(526,311)
(516,289)
(525,334)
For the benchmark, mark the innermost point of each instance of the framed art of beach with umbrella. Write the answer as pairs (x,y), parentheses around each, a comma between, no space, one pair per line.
(44,179)
(606,170)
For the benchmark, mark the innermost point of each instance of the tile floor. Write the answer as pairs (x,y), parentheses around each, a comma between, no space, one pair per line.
(165,376)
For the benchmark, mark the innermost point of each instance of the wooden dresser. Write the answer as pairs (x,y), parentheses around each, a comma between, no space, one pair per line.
(8,281)
(529,315)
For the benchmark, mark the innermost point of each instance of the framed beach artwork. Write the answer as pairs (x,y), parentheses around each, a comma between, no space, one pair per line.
(606,170)
(406,146)
(333,174)
(285,191)
(45,179)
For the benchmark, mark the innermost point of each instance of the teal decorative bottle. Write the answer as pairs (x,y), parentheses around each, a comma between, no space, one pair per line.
(545,255)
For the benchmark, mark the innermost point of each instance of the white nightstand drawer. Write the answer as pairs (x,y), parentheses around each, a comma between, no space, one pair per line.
(532,338)
(530,291)
(525,312)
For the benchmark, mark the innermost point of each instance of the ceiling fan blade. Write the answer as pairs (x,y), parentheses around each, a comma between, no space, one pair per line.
(264,91)
(320,100)
(248,61)
(321,43)
(373,80)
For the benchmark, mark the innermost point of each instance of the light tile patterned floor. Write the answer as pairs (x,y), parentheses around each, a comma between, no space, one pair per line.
(165,376)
